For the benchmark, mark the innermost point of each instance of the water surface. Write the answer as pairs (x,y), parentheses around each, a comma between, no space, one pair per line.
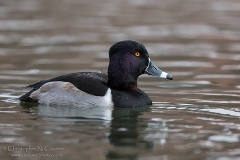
(194,117)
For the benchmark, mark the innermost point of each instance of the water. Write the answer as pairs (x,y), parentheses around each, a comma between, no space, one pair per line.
(194,117)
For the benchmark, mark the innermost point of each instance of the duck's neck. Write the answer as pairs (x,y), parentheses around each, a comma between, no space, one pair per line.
(120,75)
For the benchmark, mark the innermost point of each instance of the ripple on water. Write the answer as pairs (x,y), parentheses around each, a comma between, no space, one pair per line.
(191,107)
(178,30)
(223,111)
(222,76)
(12,133)
(15,25)
(18,140)
(230,67)
(184,64)
(64,49)
(185,84)
(22,78)
(11,99)
(224,138)
(209,119)
(21,72)
(212,102)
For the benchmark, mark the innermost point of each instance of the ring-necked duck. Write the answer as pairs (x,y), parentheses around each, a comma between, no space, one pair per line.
(128,60)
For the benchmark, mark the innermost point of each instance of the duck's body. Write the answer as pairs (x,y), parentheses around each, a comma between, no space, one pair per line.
(85,89)
(128,60)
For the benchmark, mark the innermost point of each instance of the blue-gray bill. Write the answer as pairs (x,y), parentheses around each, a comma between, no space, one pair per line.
(153,70)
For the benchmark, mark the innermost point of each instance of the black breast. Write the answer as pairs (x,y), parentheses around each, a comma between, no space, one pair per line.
(131,98)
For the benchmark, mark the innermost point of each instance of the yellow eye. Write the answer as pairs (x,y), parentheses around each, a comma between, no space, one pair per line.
(137,54)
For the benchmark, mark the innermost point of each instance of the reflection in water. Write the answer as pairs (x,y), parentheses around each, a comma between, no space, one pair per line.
(69,113)
(126,133)
(125,128)
(164,130)
(133,133)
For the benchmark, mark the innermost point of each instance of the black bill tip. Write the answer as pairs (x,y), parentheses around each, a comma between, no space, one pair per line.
(169,77)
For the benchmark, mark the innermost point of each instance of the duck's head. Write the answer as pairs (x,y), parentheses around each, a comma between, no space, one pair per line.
(128,60)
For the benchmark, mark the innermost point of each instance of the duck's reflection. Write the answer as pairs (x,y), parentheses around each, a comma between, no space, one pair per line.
(125,133)
(70,114)
(125,126)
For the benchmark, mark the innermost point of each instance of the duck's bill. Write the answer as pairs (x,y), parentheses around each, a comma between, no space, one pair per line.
(153,70)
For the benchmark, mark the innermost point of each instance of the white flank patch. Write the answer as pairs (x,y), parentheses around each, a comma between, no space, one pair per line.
(65,93)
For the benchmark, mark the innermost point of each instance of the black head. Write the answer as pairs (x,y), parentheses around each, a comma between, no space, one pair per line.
(127,46)
(128,60)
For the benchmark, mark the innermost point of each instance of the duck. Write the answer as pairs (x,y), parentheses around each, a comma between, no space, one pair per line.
(128,60)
